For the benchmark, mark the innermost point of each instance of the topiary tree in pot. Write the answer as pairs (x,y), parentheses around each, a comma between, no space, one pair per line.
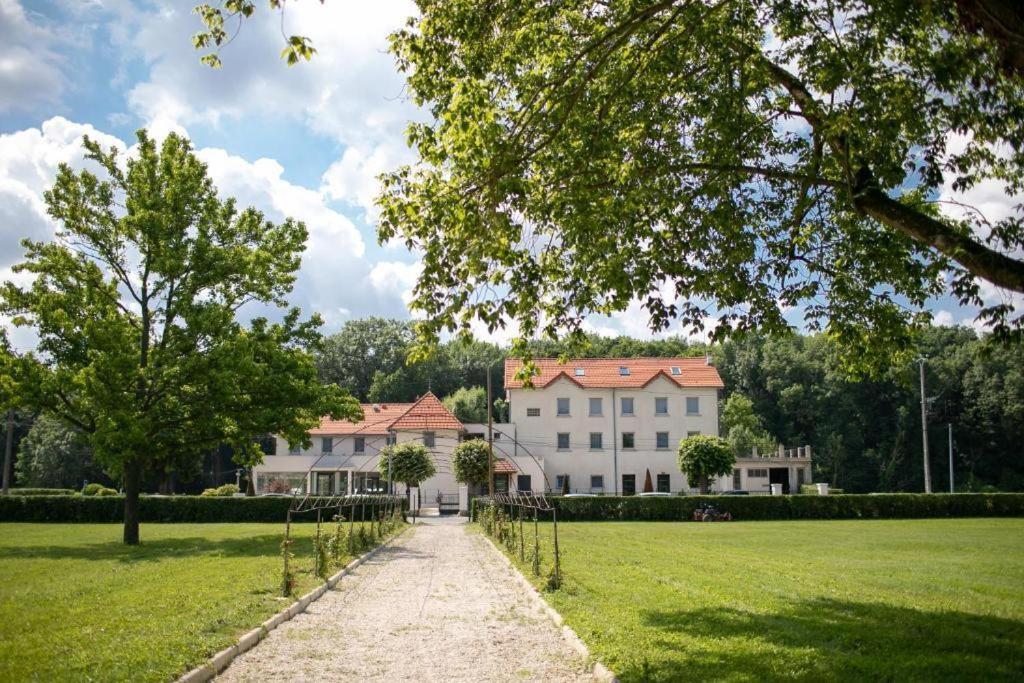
(409,463)
(703,457)
(470,462)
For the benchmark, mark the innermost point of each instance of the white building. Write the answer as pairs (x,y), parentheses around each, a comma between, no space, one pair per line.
(605,424)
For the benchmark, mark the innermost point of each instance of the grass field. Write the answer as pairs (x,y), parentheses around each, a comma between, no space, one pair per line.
(76,604)
(828,600)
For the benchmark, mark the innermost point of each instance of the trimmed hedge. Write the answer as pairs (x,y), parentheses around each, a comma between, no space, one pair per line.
(43,492)
(100,509)
(847,506)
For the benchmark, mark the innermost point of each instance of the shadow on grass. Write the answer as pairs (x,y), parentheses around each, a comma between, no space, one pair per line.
(831,640)
(249,546)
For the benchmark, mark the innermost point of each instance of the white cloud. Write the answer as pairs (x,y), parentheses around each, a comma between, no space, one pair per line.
(353,178)
(395,279)
(29,67)
(335,253)
(943,318)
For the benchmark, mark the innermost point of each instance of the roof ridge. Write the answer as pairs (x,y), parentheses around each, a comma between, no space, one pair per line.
(653,358)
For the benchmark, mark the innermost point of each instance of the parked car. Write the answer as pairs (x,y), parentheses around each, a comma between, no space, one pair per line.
(580,495)
(736,492)
(654,494)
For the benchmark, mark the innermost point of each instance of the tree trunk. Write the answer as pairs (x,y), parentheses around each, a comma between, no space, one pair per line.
(704,486)
(132,484)
(250,487)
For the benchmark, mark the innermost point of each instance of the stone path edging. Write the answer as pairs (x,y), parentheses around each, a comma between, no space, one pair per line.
(222,659)
(601,672)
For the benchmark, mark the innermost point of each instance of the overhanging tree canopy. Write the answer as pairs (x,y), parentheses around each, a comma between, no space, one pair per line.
(135,304)
(744,157)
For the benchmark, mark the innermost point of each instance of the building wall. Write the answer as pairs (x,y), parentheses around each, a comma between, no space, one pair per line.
(538,434)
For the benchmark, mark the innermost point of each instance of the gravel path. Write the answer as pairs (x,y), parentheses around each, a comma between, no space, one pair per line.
(439,604)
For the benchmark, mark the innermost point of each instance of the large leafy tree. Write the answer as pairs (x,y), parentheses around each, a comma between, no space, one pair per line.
(408,462)
(742,157)
(468,404)
(352,357)
(54,455)
(134,304)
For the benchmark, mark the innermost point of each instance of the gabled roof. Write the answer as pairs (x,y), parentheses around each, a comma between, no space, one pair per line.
(504,467)
(427,413)
(604,373)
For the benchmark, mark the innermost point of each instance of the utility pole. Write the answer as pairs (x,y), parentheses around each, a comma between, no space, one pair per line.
(391,488)
(490,436)
(924,429)
(951,457)
(8,450)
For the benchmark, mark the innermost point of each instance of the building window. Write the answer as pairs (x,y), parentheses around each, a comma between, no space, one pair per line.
(627,440)
(563,441)
(757,473)
(596,441)
(661,440)
(390,439)
(737,479)
(563,407)
(580,372)
(689,434)
(523,483)
(562,483)
(628,484)
(533,412)
(676,371)
(693,405)
(664,483)
(624,371)
(596,407)
(800,480)
(627,406)
(326,444)
(295,450)
(661,406)
(596,482)
(360,446)
(428,439)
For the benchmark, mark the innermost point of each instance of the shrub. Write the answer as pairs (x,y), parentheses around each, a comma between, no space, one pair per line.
(104,491)
(172,509)
(843,506)
(225,490)
(92,489)
(43,492)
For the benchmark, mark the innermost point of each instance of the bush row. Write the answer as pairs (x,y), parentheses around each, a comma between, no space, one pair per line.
(152,509)
(847,506)
(42,492)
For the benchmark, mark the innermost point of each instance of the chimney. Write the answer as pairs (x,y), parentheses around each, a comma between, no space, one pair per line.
(707,359)
(376,407)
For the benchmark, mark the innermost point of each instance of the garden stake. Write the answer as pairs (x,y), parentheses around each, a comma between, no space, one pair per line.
(536,546)
(522,541)
(351,531)
(287,542)
(316,554)
(554,520)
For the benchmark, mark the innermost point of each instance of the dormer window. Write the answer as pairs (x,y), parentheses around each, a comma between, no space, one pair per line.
(676,370)
(623,371)
(580,372)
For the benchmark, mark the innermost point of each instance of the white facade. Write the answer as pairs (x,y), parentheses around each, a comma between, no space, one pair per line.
(607,439)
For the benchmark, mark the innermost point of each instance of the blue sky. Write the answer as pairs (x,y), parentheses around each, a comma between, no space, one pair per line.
(305,141)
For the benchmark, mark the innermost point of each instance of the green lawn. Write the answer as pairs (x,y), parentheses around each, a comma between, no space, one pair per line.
(835,600)
(76,604)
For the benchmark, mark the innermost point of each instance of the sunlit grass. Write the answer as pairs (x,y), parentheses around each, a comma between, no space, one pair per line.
(76,604)
(819,600)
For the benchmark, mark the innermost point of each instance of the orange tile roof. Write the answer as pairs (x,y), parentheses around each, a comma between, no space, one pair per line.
(504,467)
(603,373)
(379,418)
(427,413)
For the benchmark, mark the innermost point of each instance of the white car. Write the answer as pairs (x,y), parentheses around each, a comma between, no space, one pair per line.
(654,494)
